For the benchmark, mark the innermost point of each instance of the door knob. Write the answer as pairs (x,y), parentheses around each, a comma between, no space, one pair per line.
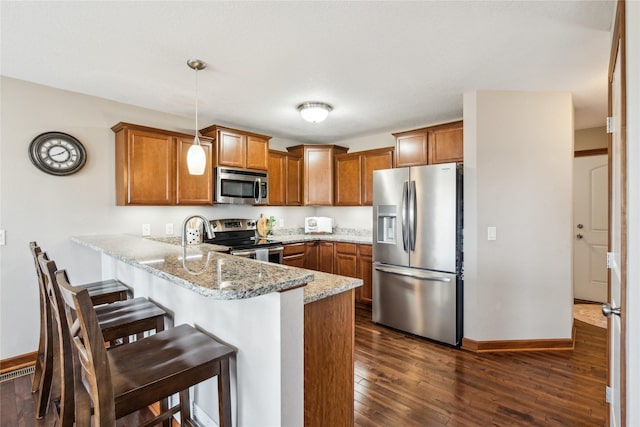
(607,310)
(579,236)
(580,226)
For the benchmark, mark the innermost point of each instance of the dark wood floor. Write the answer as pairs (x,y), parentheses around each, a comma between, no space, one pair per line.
(403,380)
(407,381)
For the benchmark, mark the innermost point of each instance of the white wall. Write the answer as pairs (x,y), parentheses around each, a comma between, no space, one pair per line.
(591,139)
(633,212)
(518,149)
(49,209)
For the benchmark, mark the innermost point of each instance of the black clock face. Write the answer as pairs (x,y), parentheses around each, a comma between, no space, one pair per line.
(57,153)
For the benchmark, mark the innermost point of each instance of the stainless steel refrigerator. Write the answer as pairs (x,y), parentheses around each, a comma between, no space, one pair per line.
(417,250)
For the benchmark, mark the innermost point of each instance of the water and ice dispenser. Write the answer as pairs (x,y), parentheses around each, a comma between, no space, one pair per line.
(387,223)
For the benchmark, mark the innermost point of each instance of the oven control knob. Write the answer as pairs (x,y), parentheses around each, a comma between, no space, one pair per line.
(251,224)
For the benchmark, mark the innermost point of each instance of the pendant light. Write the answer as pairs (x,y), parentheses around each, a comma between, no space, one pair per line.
(196,156)
(314,112)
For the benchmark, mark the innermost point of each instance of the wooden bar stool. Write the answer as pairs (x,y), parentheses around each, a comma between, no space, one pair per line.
(118,320)
(102,292)
(132,376)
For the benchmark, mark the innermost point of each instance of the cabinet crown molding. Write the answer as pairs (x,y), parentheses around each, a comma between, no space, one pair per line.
(448,125)
(124,125)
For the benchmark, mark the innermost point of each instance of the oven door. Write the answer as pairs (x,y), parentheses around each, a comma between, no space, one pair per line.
(241,186)
(273,254)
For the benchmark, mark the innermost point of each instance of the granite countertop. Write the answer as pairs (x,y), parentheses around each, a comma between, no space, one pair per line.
(297,238)
(324,285)
(214,274)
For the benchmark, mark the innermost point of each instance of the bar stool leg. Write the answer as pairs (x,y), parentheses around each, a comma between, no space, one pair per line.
(224,394)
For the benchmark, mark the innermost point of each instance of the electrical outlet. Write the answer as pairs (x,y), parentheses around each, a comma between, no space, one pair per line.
(168,229)
(2,238)
(146,229)
(280,222)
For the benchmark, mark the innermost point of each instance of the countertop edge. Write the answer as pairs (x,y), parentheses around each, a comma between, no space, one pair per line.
(300,238)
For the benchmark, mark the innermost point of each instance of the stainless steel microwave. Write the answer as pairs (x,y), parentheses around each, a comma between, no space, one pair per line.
(241,186)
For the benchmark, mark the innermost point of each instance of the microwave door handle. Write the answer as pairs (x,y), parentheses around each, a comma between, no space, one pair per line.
(405,234)
(257,190)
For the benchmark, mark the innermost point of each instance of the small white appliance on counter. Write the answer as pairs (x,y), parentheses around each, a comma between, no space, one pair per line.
(318,224)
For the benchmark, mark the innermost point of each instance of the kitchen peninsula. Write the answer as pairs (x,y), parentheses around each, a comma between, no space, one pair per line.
(292,328)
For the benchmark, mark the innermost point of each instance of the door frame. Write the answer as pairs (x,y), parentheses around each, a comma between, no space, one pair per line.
(618,52)
(589,153)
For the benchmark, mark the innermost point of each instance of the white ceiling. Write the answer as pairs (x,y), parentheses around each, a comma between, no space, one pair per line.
(384,66)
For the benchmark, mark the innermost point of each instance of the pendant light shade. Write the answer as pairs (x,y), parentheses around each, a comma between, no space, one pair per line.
(314,112)
(196,156)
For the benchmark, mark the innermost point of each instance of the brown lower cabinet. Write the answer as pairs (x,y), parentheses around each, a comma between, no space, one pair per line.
(325,256)
(364,293)
(311,251)
(294,255)
(343,258)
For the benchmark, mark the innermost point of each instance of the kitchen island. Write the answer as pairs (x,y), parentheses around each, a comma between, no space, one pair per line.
(293,333)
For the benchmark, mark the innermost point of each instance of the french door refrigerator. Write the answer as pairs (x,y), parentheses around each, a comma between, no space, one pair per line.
(417,250)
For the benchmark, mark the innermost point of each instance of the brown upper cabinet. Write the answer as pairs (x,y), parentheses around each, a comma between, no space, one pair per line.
(193,189)
(151,168)
(238,149)
(348,179)
(317,172)
(285,178)
(354,175)
(430,145)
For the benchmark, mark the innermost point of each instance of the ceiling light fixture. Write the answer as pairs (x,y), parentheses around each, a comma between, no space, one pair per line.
(314,112)
(196,157)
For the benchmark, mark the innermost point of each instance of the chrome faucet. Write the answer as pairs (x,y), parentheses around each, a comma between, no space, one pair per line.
(205,222)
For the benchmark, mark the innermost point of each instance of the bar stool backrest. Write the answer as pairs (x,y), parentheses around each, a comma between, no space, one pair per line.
(89,349)
(62,319)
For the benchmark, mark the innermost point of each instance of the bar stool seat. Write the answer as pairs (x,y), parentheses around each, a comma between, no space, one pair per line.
(130,317)
(107,291)
(119,319)
(132,376)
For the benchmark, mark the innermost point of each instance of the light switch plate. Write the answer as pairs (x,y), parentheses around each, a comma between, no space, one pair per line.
(2,238)
(491,233)
(146,229)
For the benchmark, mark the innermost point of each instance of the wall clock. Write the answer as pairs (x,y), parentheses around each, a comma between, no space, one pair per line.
(57,153)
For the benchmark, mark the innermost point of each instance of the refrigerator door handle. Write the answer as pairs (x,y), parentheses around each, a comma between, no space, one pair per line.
(405,231)
(412,215)
(420,276)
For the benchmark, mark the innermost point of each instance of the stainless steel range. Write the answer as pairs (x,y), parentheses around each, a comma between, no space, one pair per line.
(240,236)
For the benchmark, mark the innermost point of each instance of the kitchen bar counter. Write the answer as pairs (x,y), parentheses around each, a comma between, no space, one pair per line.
(286,334)
(225,276)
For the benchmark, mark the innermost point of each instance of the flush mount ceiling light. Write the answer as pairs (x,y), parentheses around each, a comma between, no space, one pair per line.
(314,112)
(196,157)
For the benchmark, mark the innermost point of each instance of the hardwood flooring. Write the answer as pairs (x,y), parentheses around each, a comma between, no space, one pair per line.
(402,380)
(17,407)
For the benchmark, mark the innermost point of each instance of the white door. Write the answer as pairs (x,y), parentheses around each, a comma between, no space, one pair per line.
(617,249)
(590,222)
